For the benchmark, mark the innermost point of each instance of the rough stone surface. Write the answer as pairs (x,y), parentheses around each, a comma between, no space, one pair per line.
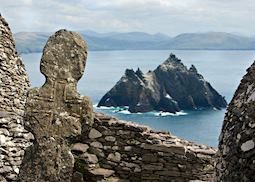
(55,113)
(134,152)
(171,87)
(236,160)
(94,134)
(14,84)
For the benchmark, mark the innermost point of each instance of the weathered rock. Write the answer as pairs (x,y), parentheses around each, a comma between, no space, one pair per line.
(97,145)
(171,87)
(55,113)
(89,158)
(94,133)
(80,147)
(102,172)
(237,140)
(115,157)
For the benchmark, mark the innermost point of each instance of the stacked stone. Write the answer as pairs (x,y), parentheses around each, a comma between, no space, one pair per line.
(119,150)
(236,159)
(13,87)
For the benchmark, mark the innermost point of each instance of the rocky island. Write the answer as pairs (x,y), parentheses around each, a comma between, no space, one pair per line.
(171,87)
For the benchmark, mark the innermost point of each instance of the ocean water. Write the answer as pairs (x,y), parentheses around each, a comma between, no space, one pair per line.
(223,69)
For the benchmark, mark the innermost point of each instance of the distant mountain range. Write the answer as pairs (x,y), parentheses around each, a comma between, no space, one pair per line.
(28,42)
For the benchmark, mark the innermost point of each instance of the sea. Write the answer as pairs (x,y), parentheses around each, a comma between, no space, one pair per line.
(223,69)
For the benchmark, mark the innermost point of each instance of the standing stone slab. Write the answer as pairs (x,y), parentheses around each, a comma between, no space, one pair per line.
(236,154)
(55,113)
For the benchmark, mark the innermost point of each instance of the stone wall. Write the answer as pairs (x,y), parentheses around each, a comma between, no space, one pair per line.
(236,156)
(115,150)
(13,87)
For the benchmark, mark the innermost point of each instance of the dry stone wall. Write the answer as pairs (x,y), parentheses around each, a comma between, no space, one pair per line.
(115,150)
(236,156)
(13,88)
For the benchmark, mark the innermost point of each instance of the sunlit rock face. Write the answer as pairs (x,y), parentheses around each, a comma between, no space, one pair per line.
(14,84)
(237,140)
(171,87)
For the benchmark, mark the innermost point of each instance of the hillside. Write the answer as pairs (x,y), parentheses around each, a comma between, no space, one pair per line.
(28,42)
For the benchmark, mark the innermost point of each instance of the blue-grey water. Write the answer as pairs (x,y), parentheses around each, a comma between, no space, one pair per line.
(223,69)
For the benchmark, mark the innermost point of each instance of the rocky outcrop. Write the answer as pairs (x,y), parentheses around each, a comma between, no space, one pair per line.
(170,87)
(236,159)
(55,113)
(115,150)
(13,89)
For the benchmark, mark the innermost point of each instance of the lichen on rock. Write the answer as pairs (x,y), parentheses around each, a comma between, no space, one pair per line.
(55,113)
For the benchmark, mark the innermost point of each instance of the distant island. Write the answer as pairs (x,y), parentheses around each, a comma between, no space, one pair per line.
(29,42)
(171,87)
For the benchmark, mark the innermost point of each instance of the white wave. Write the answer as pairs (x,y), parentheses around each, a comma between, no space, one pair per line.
(105,108)
(181,113)
(124,112)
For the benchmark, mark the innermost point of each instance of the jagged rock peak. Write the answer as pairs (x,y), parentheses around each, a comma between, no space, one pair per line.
(129,72)
(170,87)
(173,62)
(193,69)
(173,58)
(237,140)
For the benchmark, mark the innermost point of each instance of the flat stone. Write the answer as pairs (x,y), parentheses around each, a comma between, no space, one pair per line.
(97,145)
(165,148)
(90,158)
(5,169)
(80,147)
(2,139)
(94,134)
(110,138)
(248,145)
(128,148)
(115,157)
(29,136)
(115,179)
(102,172)
(153,166)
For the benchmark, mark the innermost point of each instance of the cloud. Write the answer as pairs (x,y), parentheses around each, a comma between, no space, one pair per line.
(168,16)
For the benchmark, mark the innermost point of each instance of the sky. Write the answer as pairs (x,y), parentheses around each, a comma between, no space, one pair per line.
(171,17)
